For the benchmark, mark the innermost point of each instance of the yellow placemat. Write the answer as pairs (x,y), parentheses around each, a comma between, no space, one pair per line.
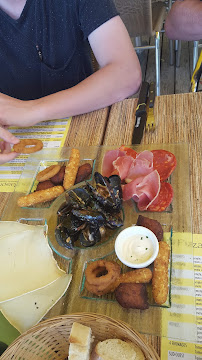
(185,315)
(53,134)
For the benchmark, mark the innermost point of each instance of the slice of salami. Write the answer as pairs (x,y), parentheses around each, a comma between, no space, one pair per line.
(128,151)
(163,199)
(164,162)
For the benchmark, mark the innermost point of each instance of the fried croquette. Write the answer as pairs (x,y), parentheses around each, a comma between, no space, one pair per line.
(44,185)
(83,173)
(59,177)
(132,296)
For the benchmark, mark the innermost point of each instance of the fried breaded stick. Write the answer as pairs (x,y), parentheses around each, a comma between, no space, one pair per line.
(71,169)
(142,276)
(160,274)
(136,276)
(40,196)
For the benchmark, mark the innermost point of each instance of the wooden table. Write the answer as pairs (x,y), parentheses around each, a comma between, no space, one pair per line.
(178,119)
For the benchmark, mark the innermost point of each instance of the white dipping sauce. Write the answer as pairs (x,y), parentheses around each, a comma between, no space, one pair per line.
(137,248)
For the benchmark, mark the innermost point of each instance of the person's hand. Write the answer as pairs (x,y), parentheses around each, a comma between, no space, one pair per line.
(5,150)
(14,112)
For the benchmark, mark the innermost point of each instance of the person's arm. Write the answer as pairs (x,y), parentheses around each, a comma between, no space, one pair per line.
(5,150)
(184,21)
(119,76)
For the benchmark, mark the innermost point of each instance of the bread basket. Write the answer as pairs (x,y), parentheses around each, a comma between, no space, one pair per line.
(49,339)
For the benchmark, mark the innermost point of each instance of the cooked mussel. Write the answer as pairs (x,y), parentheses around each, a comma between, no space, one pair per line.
(90,236)
(105,194)
(115,185)
(64,238)
(114,221)
(88,210)
(80,198)
(89,216)
(64,209)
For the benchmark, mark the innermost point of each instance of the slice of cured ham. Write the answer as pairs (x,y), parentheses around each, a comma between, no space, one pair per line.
(143,190)
(128,151)
(142,175)
(122,165)
(142,166)
(107,165)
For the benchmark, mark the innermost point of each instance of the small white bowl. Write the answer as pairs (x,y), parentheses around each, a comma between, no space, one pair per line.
(136,246)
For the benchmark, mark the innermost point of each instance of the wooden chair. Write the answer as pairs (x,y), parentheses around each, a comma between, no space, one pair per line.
(144,18)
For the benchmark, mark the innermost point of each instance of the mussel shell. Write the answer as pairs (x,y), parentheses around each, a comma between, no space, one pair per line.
(72,224)
(90,236)
(91,217)
(89,209)
(114,221)
(80,198)
(100,179)
(107,203)
(103,185)
(115,185)
(64,209)
(115,181)
(64,239)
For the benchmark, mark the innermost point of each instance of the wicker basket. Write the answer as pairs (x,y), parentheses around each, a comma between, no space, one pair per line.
(49,339)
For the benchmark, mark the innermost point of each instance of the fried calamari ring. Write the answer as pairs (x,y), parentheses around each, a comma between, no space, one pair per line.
(102,274)
(40,196)
(22,148)
(47,173)
(95,289)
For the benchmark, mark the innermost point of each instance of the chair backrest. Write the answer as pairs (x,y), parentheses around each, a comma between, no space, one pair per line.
(136,15)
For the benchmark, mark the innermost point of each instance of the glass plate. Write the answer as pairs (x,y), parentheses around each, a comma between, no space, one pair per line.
(176,217)
(111,297)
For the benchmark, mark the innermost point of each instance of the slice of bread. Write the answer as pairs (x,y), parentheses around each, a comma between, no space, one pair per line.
(80,342)
(113,349)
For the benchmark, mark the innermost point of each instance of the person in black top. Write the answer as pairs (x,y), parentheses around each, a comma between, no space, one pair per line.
(45,59)
(184,21)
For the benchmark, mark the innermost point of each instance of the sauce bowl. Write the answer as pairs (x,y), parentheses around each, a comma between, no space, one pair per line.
(136,246)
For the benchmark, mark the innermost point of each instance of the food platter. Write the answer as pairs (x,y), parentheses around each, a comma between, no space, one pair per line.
(173,219)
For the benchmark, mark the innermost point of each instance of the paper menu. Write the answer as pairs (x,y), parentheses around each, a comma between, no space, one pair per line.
(185,317)
(53,134)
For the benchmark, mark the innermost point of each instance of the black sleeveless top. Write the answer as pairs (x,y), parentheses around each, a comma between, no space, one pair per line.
(46,50)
